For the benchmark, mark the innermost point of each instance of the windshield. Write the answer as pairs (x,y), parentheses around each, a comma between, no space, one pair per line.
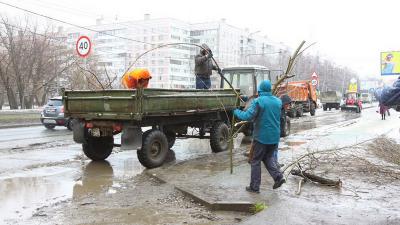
(54,102)
(242,80)
(351,95)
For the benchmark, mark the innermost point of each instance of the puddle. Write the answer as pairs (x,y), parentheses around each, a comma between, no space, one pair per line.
(22,195)
(97,177)
(23,191)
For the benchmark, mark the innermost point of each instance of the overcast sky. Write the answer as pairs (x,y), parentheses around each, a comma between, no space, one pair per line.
(351,33)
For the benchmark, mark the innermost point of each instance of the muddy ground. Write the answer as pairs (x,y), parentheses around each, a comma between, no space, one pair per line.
(47,180)
(138,201)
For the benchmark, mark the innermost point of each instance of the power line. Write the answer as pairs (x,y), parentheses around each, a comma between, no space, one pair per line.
(65,9)
(71,24)
(46,36)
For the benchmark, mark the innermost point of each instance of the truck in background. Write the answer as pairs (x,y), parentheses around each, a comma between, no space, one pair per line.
(303,95)
(330,100)
(352,102)
(366,97)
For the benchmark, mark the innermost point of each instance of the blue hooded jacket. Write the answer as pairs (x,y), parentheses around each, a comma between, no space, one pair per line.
(265,111)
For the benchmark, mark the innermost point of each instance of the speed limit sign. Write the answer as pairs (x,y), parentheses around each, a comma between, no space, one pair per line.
(83,46)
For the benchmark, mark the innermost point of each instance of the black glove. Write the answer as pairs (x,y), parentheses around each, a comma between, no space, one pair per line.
(219,70)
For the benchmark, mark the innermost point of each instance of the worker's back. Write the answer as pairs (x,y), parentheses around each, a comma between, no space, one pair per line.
(267,122)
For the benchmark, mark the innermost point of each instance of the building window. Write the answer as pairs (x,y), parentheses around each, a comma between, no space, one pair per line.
(175,37)
(176,62)
(196,33)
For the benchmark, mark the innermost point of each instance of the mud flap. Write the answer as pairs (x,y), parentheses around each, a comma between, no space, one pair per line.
(78,131)
(131,138)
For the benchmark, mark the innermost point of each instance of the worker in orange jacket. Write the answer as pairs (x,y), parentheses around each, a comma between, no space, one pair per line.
(137,78)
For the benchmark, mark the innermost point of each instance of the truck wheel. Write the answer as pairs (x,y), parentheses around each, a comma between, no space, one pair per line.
(50,127)
(292,113)
(312,109)
(98,148)
(171,137)
(299,112)
(285,129)
(219,137)
(325,107)
(154,149)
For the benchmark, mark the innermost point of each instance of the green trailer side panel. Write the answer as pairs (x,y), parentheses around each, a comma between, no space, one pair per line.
(133,104)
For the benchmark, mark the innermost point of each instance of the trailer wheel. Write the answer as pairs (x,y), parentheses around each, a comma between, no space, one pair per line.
(98,148)
(219,136)
(171,137)
(325,107)
(154,149)
(312,109)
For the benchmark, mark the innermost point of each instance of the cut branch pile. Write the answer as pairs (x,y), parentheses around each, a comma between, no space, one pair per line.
(310,161)
(386,149)
(360,161)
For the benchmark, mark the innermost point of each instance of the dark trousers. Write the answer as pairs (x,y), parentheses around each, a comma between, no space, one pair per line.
(203,82)
(264,153)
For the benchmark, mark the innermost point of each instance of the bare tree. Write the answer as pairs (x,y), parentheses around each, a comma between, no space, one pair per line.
(331,75)
(31,61)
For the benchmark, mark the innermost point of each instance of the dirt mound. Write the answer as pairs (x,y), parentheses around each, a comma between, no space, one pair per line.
(386,148)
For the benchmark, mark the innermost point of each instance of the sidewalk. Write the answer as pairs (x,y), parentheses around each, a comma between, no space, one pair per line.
(360,201)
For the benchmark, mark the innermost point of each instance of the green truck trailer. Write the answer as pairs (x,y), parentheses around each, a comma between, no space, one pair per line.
(99,115)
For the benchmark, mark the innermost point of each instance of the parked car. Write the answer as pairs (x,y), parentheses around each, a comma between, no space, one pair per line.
(53,114)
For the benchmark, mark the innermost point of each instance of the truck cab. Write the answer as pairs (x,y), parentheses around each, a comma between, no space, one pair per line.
(247,78)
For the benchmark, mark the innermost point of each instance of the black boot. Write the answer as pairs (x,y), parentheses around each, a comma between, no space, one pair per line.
(279,183)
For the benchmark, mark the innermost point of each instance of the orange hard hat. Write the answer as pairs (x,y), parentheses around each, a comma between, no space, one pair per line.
(132,78)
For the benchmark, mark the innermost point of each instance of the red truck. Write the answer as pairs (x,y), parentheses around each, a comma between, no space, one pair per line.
(303,95)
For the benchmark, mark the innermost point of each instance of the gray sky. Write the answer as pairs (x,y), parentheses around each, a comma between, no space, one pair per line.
(351,33)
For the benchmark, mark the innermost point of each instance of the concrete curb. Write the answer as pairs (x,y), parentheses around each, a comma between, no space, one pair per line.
(19,125)
(212,205)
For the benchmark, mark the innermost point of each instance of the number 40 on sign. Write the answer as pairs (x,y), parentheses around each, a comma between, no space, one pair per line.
(83,46)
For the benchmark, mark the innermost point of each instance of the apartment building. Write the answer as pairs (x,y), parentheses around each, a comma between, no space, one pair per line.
(172,66)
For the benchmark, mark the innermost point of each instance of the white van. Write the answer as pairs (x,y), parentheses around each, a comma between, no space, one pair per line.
(366,98)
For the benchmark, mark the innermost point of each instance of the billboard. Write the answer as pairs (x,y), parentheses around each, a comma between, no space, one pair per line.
(390,63)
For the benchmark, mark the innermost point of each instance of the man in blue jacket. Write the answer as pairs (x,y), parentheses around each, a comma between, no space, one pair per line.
(265,111)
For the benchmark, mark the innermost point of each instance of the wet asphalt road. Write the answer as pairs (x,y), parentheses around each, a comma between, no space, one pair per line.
(40,167)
